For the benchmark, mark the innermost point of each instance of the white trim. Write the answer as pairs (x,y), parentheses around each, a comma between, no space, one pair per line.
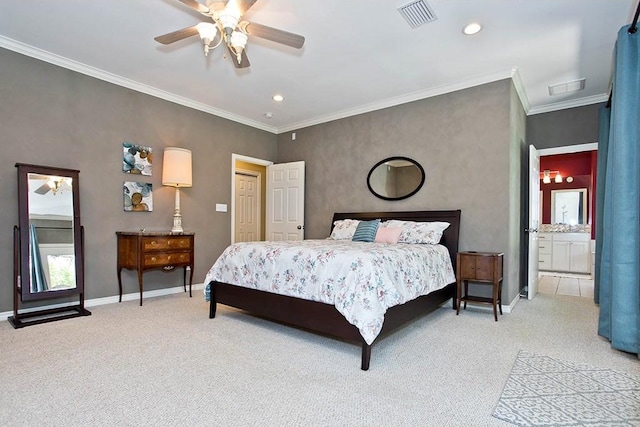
(88,70)
(110,300)
(520,89)
(580,102)
(247,159)
(567,149)
(398,100)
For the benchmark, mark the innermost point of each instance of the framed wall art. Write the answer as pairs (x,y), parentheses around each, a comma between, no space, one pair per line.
(138,196)
(137,159)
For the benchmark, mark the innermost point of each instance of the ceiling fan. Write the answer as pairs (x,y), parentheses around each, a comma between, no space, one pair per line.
(52,183)
(228,28)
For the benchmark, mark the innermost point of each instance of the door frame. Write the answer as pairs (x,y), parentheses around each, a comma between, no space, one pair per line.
(247,159)
(567,149)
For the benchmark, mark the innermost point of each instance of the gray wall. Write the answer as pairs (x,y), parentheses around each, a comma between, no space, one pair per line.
(564,127)
(465,141)
(55,117)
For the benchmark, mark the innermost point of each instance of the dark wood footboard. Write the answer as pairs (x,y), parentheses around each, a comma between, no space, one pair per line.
(320,317)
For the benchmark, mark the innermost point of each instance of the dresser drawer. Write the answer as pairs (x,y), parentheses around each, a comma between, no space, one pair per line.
(163,243)
(166,259)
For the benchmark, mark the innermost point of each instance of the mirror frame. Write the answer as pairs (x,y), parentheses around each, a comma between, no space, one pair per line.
(585,215)
(24,280)
(406,196)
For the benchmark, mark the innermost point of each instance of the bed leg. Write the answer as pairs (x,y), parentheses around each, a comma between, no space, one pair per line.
(212,299)
(366,356)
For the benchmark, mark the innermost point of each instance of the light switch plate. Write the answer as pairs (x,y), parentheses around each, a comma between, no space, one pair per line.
(221,207)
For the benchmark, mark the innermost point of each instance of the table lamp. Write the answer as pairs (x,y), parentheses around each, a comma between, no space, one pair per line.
(176,172)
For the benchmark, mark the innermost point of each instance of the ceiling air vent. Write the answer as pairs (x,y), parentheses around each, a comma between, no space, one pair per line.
(417,13)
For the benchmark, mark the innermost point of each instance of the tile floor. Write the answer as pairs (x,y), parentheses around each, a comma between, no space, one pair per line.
(569,284)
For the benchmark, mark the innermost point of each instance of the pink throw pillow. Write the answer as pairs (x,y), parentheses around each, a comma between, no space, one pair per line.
(388,234)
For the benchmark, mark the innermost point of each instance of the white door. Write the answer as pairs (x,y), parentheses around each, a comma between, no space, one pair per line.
(534,220)
(285,201)
(247,208)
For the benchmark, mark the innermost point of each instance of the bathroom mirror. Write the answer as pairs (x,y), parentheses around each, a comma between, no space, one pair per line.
(48,240)
(569,206)
(395,178)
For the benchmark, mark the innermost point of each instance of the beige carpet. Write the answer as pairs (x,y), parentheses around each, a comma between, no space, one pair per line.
(167,364)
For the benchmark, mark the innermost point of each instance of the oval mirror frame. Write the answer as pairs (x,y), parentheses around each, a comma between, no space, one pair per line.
(377,177)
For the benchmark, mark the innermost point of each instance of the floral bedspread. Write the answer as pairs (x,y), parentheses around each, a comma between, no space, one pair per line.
(362,280)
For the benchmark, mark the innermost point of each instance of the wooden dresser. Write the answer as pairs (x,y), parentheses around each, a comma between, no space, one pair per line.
(481,267)
(164,251)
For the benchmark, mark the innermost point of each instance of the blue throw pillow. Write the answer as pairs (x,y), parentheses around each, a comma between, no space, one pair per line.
(366,231)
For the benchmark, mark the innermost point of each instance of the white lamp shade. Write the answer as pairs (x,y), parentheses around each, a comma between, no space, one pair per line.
(176,167)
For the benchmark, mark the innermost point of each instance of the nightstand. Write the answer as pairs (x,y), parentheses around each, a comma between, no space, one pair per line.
(480,267)
(164,251)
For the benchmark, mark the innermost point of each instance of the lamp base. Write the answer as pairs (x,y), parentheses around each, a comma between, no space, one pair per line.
(177,224)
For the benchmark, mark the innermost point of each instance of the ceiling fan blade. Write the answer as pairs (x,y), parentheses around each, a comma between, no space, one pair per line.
(275,35)
(244,5)
(193,4)
(177,35)
(244,63)
(43,189)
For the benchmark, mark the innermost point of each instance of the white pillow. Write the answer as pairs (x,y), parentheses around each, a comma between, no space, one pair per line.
(344,229)
(419,232)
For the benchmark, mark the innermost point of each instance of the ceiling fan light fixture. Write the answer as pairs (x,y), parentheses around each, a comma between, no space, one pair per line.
(238,43)
(207,32)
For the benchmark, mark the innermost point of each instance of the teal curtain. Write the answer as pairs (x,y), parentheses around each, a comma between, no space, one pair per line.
(38,278)
(619,275)
(603,147)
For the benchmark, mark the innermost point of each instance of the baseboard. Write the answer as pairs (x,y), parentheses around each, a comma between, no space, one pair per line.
(485,307)
(110,300)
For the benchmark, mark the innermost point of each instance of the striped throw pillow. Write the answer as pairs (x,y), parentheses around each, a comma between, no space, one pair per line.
(366,231)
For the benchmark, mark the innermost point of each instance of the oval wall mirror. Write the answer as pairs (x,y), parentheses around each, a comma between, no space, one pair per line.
(395,178)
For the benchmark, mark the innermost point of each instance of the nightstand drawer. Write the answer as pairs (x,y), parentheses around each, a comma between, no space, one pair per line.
(175,258)
(164,243)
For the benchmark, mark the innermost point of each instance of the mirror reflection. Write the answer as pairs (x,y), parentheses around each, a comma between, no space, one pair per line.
(52,264)
(569,206)
(395,178)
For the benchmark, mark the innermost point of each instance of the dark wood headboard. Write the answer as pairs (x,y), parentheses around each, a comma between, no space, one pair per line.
(450,236)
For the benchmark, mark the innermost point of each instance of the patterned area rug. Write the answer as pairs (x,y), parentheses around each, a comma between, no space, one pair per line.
(543,391)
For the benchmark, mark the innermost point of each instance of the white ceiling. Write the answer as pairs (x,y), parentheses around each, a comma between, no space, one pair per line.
(359,55)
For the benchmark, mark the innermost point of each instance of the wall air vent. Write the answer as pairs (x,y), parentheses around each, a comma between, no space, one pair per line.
(417,13)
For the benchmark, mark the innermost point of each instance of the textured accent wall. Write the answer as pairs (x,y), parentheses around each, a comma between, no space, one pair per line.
(55,117)
(464,141)
(572,126)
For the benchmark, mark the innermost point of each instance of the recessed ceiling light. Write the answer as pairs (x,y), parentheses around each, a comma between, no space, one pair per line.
(278,98)
(268,115)
(471,29)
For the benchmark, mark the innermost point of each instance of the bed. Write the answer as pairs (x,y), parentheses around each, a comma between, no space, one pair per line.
(327,318)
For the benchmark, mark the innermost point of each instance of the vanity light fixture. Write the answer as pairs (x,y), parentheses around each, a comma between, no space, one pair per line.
(471,29)
(569,179)
(558,178)
(547,174)
(176,172)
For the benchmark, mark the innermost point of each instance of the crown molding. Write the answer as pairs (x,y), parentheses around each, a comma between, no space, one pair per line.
(79,67)
(398,100)
(580,102)
(520,90)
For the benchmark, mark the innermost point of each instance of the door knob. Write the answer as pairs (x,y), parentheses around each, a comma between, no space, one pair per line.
(299,227)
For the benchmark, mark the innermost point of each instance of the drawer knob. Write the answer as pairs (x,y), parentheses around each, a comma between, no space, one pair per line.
(153,242)
(169,258)
(154,258)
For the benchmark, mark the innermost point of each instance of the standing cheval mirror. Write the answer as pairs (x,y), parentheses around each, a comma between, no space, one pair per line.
(48,246)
